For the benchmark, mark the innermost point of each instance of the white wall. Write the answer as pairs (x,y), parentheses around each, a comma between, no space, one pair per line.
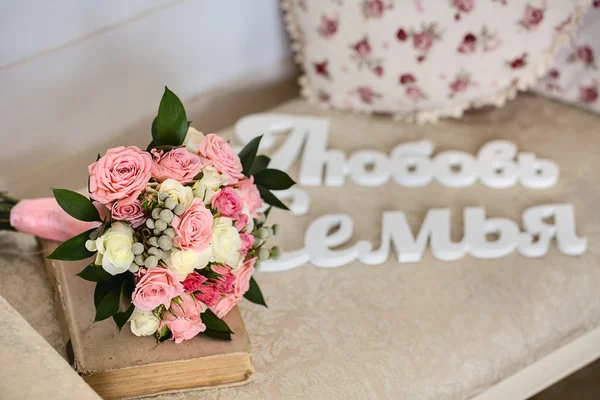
(77,76)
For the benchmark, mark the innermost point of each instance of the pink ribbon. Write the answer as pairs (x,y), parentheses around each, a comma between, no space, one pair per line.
(44,218)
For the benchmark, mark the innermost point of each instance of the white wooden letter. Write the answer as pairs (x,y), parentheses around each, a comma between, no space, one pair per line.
(455,169)
(318,241)
(477,227)
(496,166)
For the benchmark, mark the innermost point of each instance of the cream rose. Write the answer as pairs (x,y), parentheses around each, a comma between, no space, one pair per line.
(114,248)
(192,139)
(143,323)
(181,194)
(226,242)
(207,187)
(184,262)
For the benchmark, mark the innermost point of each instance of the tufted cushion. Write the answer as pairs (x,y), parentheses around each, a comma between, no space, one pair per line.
(424,59)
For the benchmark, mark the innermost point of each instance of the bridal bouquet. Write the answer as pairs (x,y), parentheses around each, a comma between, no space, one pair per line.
(180,229)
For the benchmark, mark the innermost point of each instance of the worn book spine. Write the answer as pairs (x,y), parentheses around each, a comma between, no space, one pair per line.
(118,365)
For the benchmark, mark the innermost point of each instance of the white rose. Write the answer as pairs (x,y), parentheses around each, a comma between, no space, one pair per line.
(226,242)
(114,248)
(192,139)
(184,262)
(181,194)
(143,323)
(210,184)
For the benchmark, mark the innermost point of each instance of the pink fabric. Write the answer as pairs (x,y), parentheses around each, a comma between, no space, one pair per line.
(44,218)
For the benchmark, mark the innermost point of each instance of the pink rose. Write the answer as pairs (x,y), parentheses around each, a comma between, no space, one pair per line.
(132,213)
(193,230)
(183,319)
(208,295)
(464,5)
(533,16)
(459,85)
(224,305)
(243,277)
(585,54)
(185,306)
(158,286)
(241,222)
(227,203)
(215,151)
(251,196)
(374,8)
(121,174)
(178,164)
(362,48)
(423,41)
(242,285)
(588,94)
(193,282)
(247,242)
(225,282)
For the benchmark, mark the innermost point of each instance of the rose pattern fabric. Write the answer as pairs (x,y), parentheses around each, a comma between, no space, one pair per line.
(459,53)
(574,76)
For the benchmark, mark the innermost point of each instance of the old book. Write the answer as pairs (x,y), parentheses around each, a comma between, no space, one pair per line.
(119,365)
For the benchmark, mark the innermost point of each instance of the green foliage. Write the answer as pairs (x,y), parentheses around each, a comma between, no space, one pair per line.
(254,294)
(270,198)
(110,294)
(76,205)
(73,249)
(248,154)
(215,327)
(273,179)
(171,122)
(260,162)
(108,305)
(163,334)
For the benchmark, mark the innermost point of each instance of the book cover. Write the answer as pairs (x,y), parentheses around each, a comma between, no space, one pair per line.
(120,365)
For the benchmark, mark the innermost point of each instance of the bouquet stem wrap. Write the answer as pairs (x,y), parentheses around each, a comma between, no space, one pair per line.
(44,218)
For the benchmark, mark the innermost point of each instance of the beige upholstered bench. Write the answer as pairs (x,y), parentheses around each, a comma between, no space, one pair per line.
(493,329)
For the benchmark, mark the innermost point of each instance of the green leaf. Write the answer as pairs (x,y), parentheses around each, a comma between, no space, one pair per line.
(248,154)
(214,323)
(270,198)
(154,130)
(254,294)
(121,318)
(260,162)
(101,290)
(273,179)
(109,305)
(217,334)
(163,334)
(76,205)
(73,249)
(99,157)
(90,273)
(171,122)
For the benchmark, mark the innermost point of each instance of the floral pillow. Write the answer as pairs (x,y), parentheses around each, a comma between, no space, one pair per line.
(420,59)
(575,75)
